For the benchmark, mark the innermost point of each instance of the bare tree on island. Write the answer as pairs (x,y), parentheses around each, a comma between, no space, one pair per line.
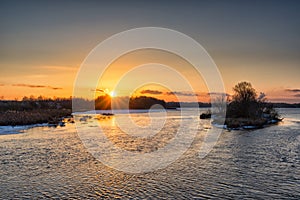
(244,102)
(246,109)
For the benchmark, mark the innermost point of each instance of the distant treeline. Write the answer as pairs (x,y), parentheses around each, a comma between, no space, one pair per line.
(104,103)
(141,102)
(286,105)
(29,104)
(187,104)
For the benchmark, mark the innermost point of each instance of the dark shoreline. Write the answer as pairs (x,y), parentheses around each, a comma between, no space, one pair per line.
(247,124)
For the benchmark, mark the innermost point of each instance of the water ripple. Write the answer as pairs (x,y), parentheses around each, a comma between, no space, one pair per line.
(52,163)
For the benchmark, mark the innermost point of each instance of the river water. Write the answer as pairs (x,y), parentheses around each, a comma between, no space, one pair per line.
(48,162)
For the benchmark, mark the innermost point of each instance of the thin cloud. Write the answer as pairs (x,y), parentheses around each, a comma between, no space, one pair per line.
(97,90)
(27,85)
(292,90)
(2,84)
(54,88)
(154,92)
(182,93)
(60,68)
(36,86)
(297,95)
(218,93)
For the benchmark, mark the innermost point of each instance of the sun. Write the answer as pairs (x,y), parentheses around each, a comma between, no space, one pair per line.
(112,94)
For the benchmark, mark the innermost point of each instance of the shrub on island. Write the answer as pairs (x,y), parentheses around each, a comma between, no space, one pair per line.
(248,110)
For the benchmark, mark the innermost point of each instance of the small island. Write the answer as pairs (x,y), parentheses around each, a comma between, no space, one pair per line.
(247,110)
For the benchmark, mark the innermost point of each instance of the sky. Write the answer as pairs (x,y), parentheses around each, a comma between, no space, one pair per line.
(43,44)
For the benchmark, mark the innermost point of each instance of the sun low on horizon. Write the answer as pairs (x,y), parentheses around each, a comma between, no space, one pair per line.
(112,94)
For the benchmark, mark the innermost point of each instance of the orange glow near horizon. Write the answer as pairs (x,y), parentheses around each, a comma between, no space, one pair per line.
(156,72)
(57,81)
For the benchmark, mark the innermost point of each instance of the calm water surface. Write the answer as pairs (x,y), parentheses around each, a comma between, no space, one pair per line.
(45,162)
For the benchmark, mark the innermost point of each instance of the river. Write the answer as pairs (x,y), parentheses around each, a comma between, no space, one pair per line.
(48,162)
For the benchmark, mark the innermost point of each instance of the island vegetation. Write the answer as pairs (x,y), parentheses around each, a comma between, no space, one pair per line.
(248,110)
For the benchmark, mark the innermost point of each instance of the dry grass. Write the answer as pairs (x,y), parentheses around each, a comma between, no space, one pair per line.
(33,117)
(239,122)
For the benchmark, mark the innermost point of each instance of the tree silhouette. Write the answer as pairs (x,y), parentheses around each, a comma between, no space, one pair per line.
(244,92)
(244,102)
(143,102)
(103,102)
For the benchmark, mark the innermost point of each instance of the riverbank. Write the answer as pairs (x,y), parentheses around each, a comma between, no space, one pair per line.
(250,123)
(38,116)
(246,123)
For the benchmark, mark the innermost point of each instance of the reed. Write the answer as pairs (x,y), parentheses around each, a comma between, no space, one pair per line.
(37,116)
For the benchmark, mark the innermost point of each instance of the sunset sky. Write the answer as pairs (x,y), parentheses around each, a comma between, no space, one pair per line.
(43,43)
